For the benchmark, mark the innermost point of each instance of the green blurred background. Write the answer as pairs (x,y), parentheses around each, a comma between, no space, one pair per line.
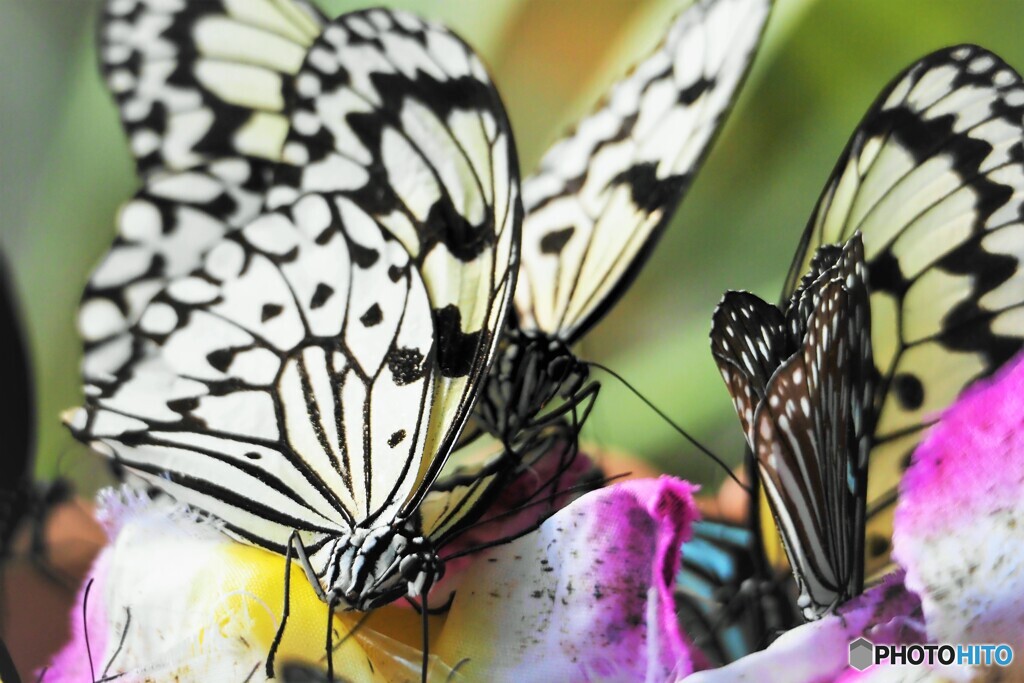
(64,168)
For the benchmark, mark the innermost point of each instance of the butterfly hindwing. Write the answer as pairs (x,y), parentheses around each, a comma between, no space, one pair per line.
(722,602)
(603,194)
(933,179)
(273,401)
(203,79)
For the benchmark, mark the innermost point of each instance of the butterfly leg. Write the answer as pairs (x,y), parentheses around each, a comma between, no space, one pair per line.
(294,545)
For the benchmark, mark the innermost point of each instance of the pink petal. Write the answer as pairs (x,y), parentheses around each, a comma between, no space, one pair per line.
(819,651)
(588,596)
(959,524)
(71,664)
(519,507)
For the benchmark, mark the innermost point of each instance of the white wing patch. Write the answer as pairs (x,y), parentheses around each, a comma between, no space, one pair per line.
(162,233)
(601,196)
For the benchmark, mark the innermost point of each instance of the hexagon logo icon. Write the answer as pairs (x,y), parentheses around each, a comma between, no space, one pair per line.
(862,654)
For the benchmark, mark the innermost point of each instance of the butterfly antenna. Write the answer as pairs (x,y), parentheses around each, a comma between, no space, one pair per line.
(682,432)
(85,628)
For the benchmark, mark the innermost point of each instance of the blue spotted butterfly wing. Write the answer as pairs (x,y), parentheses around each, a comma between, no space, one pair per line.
(721,603)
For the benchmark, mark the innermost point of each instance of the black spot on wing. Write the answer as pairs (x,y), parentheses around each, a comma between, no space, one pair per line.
(321,295)
(909,391)
(395,273)
(364,257)
(649,192)
(693,93)
(220,359)
(270,311)
(406,365)
(396,438)
(446,226)
(456,350)
(372,316)
(555,241)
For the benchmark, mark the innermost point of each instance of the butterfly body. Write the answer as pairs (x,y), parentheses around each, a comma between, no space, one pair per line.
(374,566)
(600,201)
(531,372)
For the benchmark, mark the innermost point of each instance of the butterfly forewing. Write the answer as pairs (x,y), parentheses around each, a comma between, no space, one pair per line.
(273,401)
(749,347)
(162,233)
(934,180)
(399,114)
(602,195)
(196,80)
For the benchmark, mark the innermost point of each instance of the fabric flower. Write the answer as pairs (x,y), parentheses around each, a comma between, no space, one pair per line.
(586,596)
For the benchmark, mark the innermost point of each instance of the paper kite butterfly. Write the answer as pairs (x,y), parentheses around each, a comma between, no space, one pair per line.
(906,287)
(598,204)
(301,370)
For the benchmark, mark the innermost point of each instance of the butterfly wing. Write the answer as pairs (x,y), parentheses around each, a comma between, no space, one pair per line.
(721,601)
(602,195)
(203,79)
(270,398)
(933,178)
(399,115)
(808,425)
(455,239)
(18,419)
(162,233)
(200,88)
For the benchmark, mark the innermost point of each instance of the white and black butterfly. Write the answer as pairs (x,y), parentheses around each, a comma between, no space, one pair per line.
(201,88)
(932,182)
(599,202)
(306,384)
